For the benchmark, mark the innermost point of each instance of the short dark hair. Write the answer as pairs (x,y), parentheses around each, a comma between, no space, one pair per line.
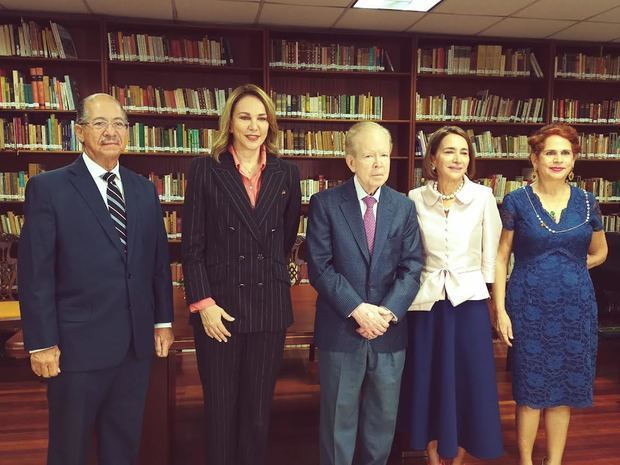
(433,145)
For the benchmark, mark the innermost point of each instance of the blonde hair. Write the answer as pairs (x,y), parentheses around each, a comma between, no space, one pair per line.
(223,138)
(357,128)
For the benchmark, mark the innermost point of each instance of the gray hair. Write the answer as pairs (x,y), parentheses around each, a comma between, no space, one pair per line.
(82,116)
(358,128)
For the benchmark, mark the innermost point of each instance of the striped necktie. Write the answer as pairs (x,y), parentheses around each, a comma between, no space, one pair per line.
(116,206)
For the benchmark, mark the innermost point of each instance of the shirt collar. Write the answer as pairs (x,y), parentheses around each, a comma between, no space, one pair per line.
(464,196)
(97,171)
(361,193)
(262,157)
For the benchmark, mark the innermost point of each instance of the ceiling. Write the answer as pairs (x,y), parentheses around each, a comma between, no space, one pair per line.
(584,20)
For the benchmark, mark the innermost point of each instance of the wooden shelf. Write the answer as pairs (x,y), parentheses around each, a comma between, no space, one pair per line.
(181,116)
(44,111)
(51,61)
(339,120)
(476,123)
(164,154)
(333,73)
(157,66)
(584,81)
(19,152)
(318,157)
(476,77)
(171,202)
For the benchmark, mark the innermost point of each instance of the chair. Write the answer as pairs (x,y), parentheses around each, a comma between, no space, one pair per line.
(8,267)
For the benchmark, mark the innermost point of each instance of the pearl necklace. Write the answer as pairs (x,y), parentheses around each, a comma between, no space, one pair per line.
(449,196)
(553,231)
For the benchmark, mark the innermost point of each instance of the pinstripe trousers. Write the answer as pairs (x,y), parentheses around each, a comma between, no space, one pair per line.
(238,379)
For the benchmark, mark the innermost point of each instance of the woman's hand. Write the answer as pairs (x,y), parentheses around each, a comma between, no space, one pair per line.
(503,326)
(212,322)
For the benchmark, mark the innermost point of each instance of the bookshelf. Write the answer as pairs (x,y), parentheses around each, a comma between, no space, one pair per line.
(386,77)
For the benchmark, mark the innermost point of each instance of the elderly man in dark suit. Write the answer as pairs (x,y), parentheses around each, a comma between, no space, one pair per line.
(95,291)
(364,260)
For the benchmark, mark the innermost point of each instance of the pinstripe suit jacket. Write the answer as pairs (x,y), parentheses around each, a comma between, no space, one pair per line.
(235,253)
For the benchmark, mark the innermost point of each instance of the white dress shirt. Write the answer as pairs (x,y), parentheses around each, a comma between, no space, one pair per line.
(361,194)
(459,248)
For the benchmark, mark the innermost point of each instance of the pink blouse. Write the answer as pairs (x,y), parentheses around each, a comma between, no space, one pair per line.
(460,248)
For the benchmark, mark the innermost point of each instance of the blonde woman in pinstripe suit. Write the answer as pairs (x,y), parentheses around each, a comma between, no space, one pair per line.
(241,214)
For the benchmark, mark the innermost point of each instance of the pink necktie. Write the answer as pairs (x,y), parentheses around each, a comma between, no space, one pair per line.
(370,222)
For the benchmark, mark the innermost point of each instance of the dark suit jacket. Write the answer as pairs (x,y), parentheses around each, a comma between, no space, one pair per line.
(237,254)
(77,289)
(345,275)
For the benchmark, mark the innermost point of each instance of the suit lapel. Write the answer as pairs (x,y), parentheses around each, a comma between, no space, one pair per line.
(228,178)
(86,187)
(270,189)
(131,208)
(350,208)
(385,216)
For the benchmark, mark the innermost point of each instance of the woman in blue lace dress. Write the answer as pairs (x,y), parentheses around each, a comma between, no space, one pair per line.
(548,311)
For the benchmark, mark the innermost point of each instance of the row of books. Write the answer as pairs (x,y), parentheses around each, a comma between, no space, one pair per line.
(604,190)
(483,107)
(29,39)
(309,187)
(611,223)
(480,60)
(37,90)
(303,225)
(13,185)
(201,101)
(176,270)
(577,111)
(11,223)
(170,187)
(582,66)
(299,142)
(487,145)
(148,48)
(502,186)
(172,223)
(18,133)
(303,54)
(176,139)
(352,107)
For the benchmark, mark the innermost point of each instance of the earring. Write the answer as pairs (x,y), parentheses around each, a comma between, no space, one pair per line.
(534,175)
(571,176)
(433,168)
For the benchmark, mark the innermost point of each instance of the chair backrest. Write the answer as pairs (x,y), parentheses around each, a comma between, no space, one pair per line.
(297,266)
(8,267)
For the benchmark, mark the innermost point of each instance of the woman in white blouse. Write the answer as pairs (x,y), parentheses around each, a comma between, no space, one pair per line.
(449,401)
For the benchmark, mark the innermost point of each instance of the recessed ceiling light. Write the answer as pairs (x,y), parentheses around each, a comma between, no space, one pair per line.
(401,5)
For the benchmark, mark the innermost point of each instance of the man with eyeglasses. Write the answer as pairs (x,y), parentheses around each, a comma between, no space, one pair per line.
(95,291)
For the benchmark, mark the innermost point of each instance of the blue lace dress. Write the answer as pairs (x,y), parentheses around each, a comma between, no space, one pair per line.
(550,300)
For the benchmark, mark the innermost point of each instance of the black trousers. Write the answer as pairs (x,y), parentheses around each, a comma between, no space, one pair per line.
(109,401)
(238,379)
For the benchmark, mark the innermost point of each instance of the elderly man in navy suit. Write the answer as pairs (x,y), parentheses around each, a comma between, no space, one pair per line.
(364,261)
(95,291)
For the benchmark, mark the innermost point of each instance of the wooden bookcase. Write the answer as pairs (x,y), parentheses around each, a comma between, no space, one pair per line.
(252,50)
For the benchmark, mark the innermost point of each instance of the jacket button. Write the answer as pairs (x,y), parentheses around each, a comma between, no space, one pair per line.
(241,258)
(241,285)
(259,284)
(232,228)
(260,256)
(273,229)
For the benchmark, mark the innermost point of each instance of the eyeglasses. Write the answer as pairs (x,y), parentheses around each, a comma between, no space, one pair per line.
(102,124)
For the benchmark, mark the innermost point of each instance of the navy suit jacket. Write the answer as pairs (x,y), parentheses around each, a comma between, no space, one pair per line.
(345,274)
(77,288)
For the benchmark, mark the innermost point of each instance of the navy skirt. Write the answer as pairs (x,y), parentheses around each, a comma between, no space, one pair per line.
(449,391)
